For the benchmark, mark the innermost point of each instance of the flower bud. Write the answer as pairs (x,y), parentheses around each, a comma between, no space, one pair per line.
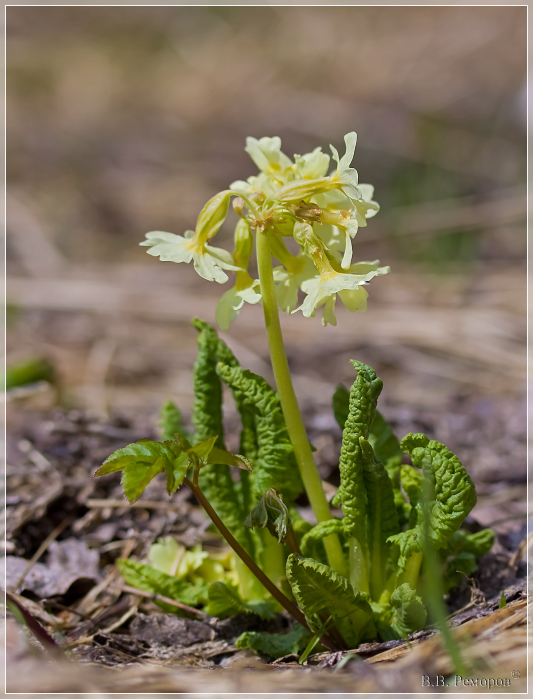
(212,216)
(244,243)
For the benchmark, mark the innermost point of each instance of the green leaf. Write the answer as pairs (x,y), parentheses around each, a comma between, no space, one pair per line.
(275,463)
(136,477)
(225,601)
(203,449)
(274,645)
(450,492)
(215,479)
(171,421)
(311,541)
(409,612)
(382,517)
(503,601)
(405,614)
(341,405)
(319,590)
(28,372)
(220,456)
(363,399)
(383,440)
(144,577)
(461,554)
(207,405)
(387,450)
(141,461)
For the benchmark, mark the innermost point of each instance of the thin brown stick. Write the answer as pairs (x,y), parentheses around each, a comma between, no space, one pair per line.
(252,565)
(292,542)
(155,597)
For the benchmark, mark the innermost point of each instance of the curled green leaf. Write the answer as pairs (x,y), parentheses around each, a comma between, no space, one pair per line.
(448,495)
(272,513)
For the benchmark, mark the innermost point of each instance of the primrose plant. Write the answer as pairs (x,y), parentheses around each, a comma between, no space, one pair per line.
(343,579)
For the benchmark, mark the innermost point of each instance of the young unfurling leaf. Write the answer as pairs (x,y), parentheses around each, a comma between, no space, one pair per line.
(382,517)
(311,543)
(272,513)
(451,495)
(363,399)
(171,421)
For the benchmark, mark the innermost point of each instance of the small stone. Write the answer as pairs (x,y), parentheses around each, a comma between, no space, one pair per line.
(170,630)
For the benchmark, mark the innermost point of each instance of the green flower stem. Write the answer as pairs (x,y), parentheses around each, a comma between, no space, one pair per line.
(358,572)
(412,569)
(249,586)
(272,557)
(289,404)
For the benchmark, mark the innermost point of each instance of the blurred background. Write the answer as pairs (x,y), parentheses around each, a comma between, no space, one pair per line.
(122,120)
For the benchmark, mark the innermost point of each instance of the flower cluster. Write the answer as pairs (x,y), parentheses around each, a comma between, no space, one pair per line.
(287,199)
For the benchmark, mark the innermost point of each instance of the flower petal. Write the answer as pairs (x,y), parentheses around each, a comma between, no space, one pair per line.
(207,268)
(329,312)
(232,301)
(354,299)
(222,257)
(169,247)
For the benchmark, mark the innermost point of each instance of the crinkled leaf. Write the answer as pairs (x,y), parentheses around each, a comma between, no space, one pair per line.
(450,492)
(363,399)
(225,601)
(409,612)
(144,577)
(216,479)
(171,421)
(319,590)
(275,463)
(207,405)
(412,482)
(275,645)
